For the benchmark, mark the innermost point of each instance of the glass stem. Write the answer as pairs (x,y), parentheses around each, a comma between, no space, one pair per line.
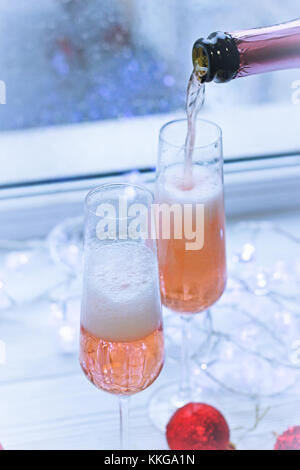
(185,378)
(124,422)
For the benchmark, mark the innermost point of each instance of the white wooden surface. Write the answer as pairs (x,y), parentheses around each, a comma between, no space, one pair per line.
(47,403)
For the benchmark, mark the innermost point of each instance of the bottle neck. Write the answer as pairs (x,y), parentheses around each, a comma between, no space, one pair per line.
(216,58)
(222,57)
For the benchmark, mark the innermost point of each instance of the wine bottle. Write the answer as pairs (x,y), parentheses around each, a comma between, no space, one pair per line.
(222,57)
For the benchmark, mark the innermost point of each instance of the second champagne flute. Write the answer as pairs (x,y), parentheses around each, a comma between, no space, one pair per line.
(192,259)
(121,340)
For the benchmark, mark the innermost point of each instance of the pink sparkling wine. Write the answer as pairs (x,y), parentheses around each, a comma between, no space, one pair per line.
(268,49)
(222,57)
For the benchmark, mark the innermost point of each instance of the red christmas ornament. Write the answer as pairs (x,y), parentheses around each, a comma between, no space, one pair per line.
(289,440)
(197,426)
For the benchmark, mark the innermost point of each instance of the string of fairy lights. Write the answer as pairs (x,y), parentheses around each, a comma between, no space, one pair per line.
(254,330)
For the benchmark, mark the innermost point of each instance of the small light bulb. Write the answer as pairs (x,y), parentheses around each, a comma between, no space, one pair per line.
(248,252)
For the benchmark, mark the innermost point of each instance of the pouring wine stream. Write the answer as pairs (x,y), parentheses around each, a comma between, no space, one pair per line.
(194,102)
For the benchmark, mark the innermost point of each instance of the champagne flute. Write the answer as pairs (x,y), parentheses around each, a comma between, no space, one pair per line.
(192,266)
(121,337)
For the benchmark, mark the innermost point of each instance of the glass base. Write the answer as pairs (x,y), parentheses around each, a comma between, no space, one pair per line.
(242,420)
(163,404)
(166,401)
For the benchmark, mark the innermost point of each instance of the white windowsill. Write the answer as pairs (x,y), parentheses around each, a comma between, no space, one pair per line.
(246,193)
(95,148)
(106,146)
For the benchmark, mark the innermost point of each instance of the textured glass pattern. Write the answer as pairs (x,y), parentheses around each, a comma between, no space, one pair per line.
(122,368)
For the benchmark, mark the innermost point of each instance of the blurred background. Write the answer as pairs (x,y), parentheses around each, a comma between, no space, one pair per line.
(71,61)
(67,61)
